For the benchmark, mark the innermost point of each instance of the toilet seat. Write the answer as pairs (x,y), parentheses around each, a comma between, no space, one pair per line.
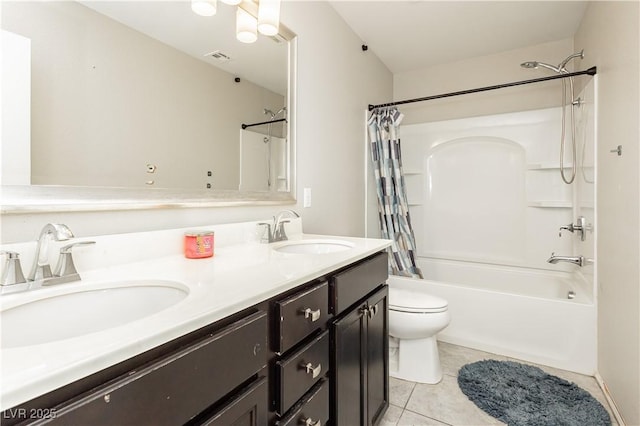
(403,300)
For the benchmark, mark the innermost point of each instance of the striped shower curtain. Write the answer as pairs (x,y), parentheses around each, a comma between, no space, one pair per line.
(393,209)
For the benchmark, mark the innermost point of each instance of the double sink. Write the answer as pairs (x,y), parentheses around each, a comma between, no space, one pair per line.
(76,309)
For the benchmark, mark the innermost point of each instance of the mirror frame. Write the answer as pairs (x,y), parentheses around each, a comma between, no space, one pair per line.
(21,199)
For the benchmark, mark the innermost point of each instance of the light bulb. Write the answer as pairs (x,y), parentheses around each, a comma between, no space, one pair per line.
(204,7)
(269,17)
(246,26)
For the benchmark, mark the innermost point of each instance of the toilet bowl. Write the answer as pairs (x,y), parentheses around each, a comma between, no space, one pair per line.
(415,318)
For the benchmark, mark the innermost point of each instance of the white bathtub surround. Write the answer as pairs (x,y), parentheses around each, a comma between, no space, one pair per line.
(487,203)
(242,273)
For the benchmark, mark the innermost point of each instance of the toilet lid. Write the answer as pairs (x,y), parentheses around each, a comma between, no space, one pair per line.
(401,299)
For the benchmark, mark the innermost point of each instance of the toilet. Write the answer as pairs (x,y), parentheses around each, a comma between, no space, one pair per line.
(415,318)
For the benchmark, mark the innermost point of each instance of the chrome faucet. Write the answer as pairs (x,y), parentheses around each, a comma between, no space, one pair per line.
(277,232)
(41,269)
(12,272)
(580,227)
(576,260)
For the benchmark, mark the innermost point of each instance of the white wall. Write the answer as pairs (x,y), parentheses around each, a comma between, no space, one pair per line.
(336,82)
(610,33)
(480,72)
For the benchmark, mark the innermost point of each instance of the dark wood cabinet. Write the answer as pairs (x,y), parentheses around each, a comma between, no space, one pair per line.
(314,355)
(360,363)
(178,386)
(360,346)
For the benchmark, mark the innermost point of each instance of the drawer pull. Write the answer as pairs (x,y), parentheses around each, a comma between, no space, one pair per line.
(310,369)
(310,422)
(314,315)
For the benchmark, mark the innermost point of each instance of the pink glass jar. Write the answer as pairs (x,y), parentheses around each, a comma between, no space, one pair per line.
(198,244)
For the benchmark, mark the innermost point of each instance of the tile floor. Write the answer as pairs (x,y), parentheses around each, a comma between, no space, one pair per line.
(445,404)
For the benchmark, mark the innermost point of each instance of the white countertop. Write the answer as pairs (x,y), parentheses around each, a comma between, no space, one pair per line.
(240,275)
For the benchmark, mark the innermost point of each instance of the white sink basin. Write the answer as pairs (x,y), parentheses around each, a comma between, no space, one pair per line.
(55,315)
(313,246)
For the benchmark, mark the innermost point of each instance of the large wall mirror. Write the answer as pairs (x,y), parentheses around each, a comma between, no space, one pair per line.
(145,100)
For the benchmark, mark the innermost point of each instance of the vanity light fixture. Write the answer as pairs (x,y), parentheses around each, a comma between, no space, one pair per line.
(246,26)
(269,17)
(204,7)
(250,19)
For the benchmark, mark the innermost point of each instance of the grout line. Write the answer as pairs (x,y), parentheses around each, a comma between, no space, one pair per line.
(428,417)
(404,407)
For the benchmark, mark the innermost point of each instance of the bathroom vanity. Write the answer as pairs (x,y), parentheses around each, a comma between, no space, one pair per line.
(299,339)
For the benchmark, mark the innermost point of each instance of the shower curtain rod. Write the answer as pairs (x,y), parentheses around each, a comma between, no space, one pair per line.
(590,71)
(244,126)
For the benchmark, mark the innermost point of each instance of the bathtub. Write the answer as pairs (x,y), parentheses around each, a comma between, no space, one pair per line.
(522,313)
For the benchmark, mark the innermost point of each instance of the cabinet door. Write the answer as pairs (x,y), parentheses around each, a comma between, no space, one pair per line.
(248,408)
(360,379)
(348,355)
(377,336)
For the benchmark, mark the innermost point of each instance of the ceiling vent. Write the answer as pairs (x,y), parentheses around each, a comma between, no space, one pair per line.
(219,56)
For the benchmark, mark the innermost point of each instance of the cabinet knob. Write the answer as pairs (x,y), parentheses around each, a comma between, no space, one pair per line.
(314,315)
(372,311)
(310,369)
(309,422)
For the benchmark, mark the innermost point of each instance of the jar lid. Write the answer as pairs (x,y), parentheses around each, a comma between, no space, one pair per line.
(198,233)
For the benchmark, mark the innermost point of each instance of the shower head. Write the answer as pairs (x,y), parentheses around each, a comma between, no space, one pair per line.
(536,65)
(266,111)
(559,69)
(529,64)
(272,114)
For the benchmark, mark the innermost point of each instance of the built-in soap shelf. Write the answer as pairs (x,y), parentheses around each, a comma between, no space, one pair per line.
(550,204)
(546,166)
(411,172)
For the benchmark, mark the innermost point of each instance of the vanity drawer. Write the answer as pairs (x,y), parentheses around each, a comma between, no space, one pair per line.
(299,315)
(301,370)
(350,285)
(313,409)
(178,386)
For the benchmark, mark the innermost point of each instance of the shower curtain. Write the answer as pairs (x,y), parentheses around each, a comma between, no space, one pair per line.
(393,209)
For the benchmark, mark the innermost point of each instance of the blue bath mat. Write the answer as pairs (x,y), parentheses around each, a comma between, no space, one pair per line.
(524,395)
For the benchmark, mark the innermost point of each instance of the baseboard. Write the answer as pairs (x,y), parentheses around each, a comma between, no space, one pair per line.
(612,403)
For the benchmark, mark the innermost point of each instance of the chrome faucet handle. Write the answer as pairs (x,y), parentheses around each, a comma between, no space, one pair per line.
(568,227)
(266,237)
(65,266)
(580,227)
(12,272)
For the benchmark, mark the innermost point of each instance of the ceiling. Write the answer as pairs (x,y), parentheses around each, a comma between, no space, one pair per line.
(410,35)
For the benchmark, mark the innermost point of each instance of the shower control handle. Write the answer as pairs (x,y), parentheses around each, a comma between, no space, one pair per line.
(580,227)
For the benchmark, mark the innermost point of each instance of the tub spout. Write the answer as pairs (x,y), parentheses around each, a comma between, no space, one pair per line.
(576,260)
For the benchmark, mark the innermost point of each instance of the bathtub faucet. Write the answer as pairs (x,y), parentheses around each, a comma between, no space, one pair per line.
(576,260)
